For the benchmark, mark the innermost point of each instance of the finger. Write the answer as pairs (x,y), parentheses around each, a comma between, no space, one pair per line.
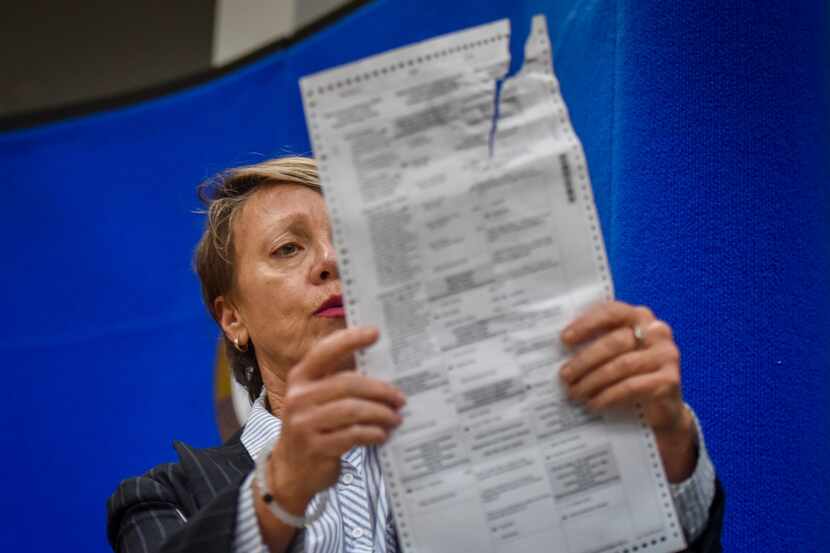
(604,317)
(332,352)
(343,385)
(657,331)
(619,368)
(642,388)
(339,442)
(343,413)
(602,350)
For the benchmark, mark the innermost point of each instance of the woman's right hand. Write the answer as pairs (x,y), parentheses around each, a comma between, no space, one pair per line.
(327,410)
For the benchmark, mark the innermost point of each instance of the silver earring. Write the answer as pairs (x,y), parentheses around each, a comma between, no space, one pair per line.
(249,373)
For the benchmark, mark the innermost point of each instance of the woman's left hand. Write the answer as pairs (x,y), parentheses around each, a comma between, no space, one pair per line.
(616,369)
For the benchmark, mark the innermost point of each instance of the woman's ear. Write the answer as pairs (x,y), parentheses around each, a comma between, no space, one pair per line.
(231,321)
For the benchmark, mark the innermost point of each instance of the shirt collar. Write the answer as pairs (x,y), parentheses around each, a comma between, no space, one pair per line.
(262,427)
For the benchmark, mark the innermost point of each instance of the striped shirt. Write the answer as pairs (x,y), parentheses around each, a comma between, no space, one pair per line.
(357,518)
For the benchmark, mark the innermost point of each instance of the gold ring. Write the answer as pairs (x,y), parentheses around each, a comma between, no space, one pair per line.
(639,336)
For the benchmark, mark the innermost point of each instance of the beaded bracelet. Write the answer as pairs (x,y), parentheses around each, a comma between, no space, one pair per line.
(271,502)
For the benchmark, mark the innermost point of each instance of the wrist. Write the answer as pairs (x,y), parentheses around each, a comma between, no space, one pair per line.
(275,534)
(678,447)
(681,433)
(287,488)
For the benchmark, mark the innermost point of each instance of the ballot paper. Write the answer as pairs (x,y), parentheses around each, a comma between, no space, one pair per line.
(466,230)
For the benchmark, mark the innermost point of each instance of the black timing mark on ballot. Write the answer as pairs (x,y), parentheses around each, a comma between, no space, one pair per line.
(566,173)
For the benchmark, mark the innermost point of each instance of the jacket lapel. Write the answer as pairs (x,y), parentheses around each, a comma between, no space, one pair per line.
(211,470)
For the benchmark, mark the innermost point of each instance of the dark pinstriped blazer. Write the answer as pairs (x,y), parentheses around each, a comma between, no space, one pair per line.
(191,506)
(188,506)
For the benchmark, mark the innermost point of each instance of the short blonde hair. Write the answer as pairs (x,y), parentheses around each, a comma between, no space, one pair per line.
(223,196)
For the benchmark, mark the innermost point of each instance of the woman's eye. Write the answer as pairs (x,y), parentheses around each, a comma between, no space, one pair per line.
(287,250)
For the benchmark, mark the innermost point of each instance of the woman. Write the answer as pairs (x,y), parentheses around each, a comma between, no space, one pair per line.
(269,278)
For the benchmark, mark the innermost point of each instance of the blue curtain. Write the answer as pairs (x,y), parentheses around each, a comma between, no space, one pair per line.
(706,130)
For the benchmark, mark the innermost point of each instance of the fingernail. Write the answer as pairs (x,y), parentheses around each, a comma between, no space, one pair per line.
(400,398)
(566,372)
(568,334)
(370,331)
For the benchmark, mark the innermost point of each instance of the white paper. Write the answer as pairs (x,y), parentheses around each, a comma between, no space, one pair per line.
(471,255)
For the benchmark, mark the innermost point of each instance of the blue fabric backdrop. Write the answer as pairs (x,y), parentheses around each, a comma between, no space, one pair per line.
(705,127)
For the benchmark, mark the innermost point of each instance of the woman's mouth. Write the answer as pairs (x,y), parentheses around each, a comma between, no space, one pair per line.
(331,308)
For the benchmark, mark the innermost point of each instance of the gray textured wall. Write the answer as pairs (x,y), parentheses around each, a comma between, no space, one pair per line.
(56,53)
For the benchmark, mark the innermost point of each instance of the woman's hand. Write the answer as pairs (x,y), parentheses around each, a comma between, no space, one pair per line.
(616,369)
(327,410)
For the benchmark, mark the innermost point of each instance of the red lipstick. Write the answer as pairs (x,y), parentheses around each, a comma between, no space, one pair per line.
(332,308)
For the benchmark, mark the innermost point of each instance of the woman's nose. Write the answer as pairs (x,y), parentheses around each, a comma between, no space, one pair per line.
(326,267)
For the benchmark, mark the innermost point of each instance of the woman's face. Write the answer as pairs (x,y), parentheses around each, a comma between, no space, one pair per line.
(287,290)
